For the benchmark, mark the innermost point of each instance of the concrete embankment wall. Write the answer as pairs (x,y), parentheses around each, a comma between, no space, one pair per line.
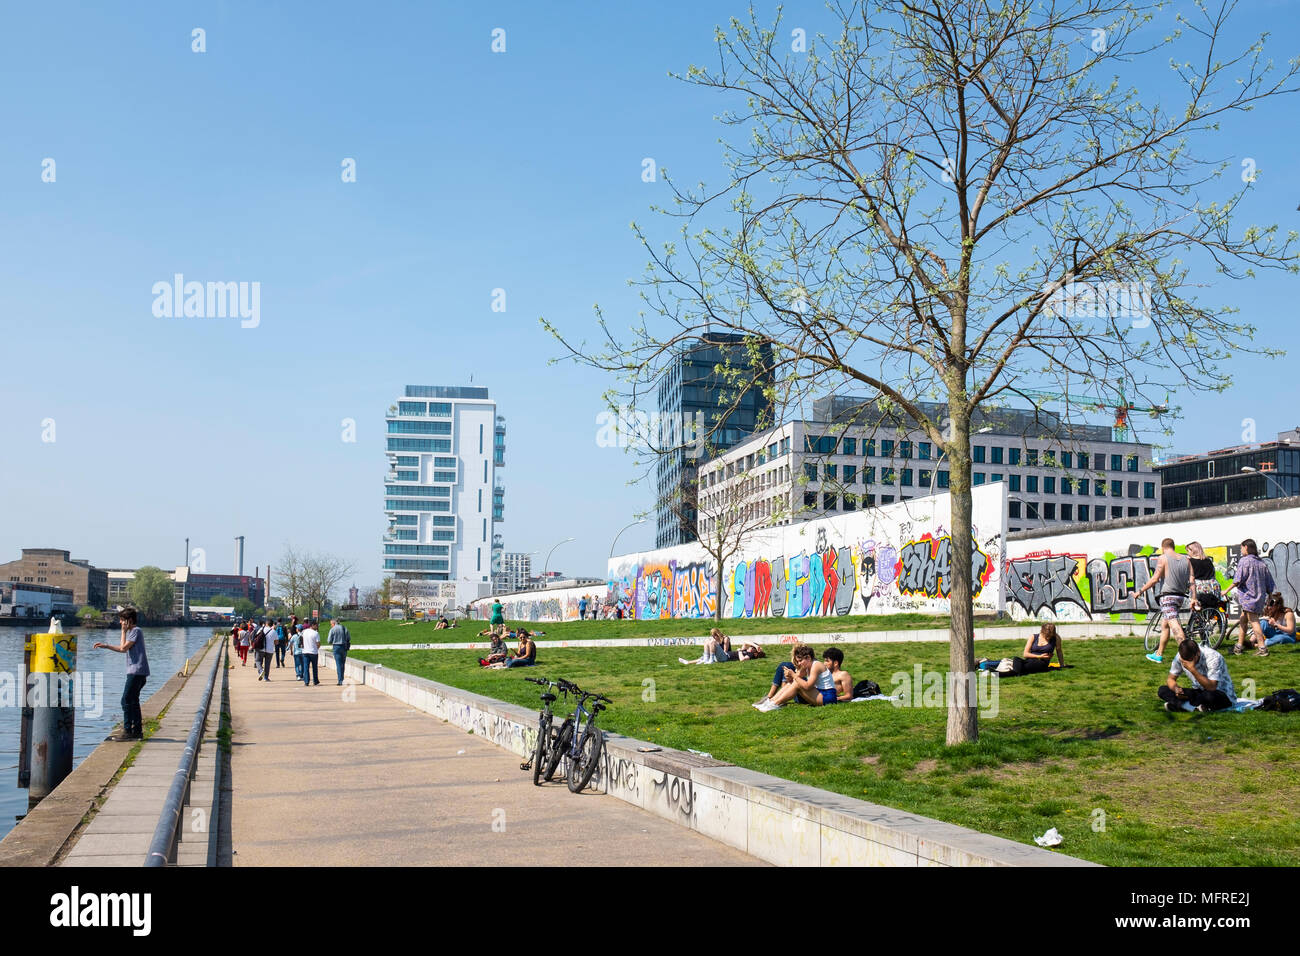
(775,820)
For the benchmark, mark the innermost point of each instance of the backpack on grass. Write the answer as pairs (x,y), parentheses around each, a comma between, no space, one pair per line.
(865,688)
(1281,701)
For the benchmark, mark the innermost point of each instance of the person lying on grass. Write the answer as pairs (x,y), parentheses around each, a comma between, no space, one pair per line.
(1211,685)
(812,681)
(718,650)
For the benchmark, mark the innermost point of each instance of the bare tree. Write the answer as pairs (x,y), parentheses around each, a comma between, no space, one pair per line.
(966,201)
(308,579)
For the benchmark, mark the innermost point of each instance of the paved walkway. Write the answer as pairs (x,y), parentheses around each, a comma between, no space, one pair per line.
(120,833)
(324,777)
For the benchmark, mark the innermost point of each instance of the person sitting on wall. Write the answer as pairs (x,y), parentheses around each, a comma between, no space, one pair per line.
(717,649)
(1276,623)
(526,653)
(1211,685)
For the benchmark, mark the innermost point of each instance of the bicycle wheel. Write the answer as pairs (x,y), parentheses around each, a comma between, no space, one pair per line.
(542,751)
(1208,627)
(558,748)
(1152,639)
(581,770)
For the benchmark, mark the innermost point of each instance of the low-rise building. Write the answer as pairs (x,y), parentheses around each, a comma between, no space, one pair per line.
(1230,475)
(845,459)
(56,568)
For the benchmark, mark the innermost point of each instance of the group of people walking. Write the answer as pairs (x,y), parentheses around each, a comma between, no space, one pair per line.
(270,640)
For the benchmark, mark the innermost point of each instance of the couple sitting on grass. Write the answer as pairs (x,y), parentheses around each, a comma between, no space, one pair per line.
(808,681)
(499,655)
(717,650)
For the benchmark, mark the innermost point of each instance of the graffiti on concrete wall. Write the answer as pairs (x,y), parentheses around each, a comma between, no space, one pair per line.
(924,567)
(1078,587)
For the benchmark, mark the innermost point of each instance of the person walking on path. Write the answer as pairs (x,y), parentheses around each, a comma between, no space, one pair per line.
(1175,570)
(340,642)
(295,647)
(582,608)
(243,645)
(281,640)
(137,672)
(310,651)
(267,653)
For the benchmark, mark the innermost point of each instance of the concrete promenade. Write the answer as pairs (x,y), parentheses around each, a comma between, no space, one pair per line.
(332,776)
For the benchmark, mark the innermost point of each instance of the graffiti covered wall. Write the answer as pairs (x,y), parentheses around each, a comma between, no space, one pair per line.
(1092,574)
(885,560)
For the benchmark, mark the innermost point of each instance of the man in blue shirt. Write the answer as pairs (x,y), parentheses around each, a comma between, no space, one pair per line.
(137,671)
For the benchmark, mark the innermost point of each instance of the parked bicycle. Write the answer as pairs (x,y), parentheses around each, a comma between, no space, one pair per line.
(579,741)
(541,764)
(1207,624)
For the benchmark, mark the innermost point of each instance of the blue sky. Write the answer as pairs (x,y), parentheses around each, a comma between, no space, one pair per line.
(475,171)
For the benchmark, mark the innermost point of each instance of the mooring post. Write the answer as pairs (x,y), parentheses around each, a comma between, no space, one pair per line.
(53,722)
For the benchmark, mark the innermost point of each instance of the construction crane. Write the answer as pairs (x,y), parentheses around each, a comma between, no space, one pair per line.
(1121,409)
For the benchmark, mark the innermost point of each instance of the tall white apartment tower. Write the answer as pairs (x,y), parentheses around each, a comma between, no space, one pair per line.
(442,497)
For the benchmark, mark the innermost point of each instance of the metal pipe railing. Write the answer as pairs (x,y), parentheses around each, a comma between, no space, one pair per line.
(164,836)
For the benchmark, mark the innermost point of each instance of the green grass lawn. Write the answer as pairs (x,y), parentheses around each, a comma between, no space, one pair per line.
(401,632)
(1176,789)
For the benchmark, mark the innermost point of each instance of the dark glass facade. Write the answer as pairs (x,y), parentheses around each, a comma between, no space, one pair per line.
(696,389)
(1217,478)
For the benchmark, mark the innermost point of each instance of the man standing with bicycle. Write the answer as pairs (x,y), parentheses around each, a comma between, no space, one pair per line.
(1174,574)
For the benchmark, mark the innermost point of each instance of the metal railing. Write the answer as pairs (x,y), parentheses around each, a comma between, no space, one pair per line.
(165,835)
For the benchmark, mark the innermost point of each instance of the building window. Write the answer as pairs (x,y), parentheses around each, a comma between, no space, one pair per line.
(1081,486)
(1148,511)
(923,450)
(830,472)
(907,477)
(887,477)
(1116,462)
(419,428)
(850,503)
(1049,485)
(1117,489)
(1116,512)
(850,474)
(905,449)
(869,475)
(1132,462)
(886,499)
(480,442)
(1099,461)
(943,479)
(979,478)
(1031,484)
(1031,458)
(810,471)
(809,499)
(1015,482)
(924,478)
(1083,512)
(997,454)
(1031,510)
(1099,487)
(1148,489)
(409,476)
(828,502)
(869,449)
(1049,510)
(887,448)
(850,446)
(1013,509)
(1132,512)
(1132,489)
(1067,459)
(1067,511)
(977,454)
(1013,456)
(996,476)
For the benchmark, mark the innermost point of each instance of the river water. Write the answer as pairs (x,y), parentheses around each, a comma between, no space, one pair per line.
(101,675)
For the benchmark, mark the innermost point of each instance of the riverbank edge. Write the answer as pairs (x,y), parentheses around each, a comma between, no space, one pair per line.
(39,838)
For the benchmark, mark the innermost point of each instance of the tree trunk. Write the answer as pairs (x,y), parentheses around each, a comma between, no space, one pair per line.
(963,717)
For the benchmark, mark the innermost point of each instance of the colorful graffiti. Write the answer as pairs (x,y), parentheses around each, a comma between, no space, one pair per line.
(1075,586)
(924,567)
(802,585)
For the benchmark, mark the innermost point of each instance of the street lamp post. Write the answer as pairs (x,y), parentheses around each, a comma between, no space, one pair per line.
(1251,470)
(620,534)
(546,567)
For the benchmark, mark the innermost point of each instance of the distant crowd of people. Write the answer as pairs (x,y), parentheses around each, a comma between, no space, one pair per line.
(273,640)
